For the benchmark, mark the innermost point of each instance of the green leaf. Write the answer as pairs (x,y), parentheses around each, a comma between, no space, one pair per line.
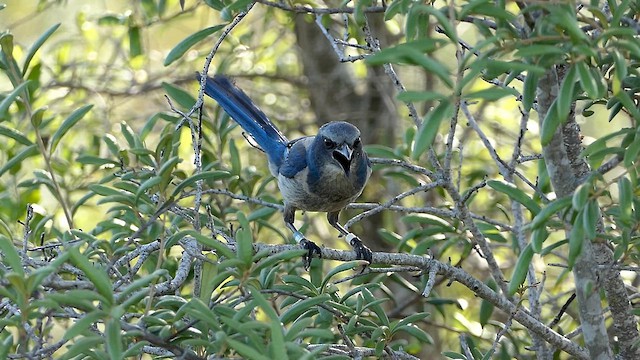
(146,185)
(413,318)
(36,46)
(491,94)
(10,98)
(521,269)
(221,248)
(244,242)
(83,346)
(576,241)
(565,97)
(486,307)
(429,128)
(417,333)
(414,96)
(529,90)
(625,196)
(591,81)
(188,42)
(551,209)
(515,194)
(97,276)
(140,283)
(374,305)
(620,71)
(414,53)
(538,50)
(581,195)
(15,135)
(113,335)
(19,158)
(82,325)
(590,218)
(631,153)
(270,261)
(135,42)
(212,175)
(338,269)
(629,104)
(104,190)
(302,306)
(277,345)
(67,124)
(234,154)
(183,98)
(94,160)
(11,256)
(549,124)
(454,355)
(495,68)
(246,351)
(538,236)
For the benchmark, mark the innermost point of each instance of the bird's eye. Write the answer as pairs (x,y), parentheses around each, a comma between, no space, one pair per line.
(329,144)
(357,143)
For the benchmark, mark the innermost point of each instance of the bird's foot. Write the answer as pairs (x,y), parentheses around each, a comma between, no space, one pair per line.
(362,251)
(311,248)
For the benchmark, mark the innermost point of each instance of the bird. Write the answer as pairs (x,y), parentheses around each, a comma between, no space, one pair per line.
(321,173)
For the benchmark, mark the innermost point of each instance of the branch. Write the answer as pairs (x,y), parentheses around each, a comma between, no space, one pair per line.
(455,274)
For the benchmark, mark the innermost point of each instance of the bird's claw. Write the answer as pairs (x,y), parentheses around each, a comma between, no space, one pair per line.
(311,248)
(362,251)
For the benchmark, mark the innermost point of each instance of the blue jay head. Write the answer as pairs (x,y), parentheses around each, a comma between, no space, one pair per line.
(342,142)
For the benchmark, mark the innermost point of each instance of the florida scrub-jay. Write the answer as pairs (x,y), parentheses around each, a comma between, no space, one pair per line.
(323,173)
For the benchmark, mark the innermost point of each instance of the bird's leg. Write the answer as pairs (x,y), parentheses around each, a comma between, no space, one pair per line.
(362,251)
(310,246)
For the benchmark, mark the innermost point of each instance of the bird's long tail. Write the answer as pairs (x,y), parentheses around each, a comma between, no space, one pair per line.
(240,107)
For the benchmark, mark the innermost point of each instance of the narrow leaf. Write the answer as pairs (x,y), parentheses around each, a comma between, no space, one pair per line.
(521,269)
(11,256)
(188,42)
(66,125)
(576,240)
(625,194)
(302,306)
(588,81)
(581,195)
(20,157)
(565,97)
(549,124)
(429,129)
(15,135)
(36,46)
(538,236)
(212,175)
(83,324)
(551,209)
(98,277)
(10,98)
(113,339)
(590,217)
(515,194)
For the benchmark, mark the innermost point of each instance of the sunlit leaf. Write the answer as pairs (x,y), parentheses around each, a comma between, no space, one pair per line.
(429,128)
(188,42)
(66,125)
(36,46)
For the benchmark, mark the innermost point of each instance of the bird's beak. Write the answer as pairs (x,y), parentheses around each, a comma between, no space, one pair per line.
(343,155)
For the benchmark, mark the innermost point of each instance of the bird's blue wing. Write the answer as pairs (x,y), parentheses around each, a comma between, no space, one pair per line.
(295,161)
(240,107)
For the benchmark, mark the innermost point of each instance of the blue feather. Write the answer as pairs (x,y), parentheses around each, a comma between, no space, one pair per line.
(238,105)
